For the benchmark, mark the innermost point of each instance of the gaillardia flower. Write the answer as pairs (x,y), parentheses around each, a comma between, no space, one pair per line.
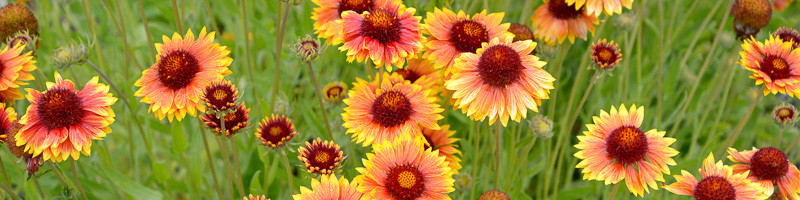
(616,148)
(234,120)
(256,197)
(521,32)
(442,141)
(220,95)
(328,187)
(768,167)
(788,35)
(62,122)
(401,169)
(7,117)
(749,16)
(15,67)
(493,195)
(421,72)
(556,20)
(308,49)
(596,7)
(718,181)
(275,131)
(773,64)
(334,91)
(501,81)
(184,67)
(30,42)
(605,55)
(386,35)
(15,18)
(453,34)
(326,17)
(374,114)
(785,114)
(320,157)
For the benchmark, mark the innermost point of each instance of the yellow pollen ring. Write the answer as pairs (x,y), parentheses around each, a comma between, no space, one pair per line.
(473,29)
(392,101)
(628,136)
(406,179)
(219,94)
(605,55)
(779,63)
(381,19)
(322,157)
(274,131)
(784,113)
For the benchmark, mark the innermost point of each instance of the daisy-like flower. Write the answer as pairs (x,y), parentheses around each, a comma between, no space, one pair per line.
(334,91)
(326,16)
(386,35)
(328,187)
(255,197)
(7,117)
(421,72)
(501,81)
(441,140)
(401,169)
(717,181)
(320,157)
(220,95)
(596,7)
(493,195)
(605,55)
(788,35)
(785,114)
(15,67)
(184,67)
(374,114)
(234,120)
(62,122)
(615,148)
(453,34)
(768,167)
(275,131)
(556,20)
(773,64)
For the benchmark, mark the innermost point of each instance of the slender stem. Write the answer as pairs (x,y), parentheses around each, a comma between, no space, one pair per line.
(211,162)
(147,30)
(780,136)
(249,60)
(177,16)
(712,137)
(613,191)
(557,74)
(278,47)
(77,180)
(321,103)
(289,174)
(211,15)
(228,167)
(9,191)
(497,142)
(707,111)
(475,142)
(660,62)
(3,170)
(60,175)
(794,142)
(38,188)
(740,125)
(238,174)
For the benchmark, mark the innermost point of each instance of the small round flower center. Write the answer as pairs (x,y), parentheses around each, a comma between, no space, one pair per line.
(468,35)
(561,10)
(358,6)
(381,25)
(627,145)
(769,163)
(714,188)
(322,157)
(408,74)
(59,107)
(391,108)
(499,66)
(275,131)
(219,94)
(605,55)
(405,182)
(785,114)
(177,69)
(776,68)
(334,92)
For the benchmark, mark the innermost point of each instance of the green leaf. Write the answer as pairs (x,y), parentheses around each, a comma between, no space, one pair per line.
(133,188)
(255,183)
(160,171)
(179,144)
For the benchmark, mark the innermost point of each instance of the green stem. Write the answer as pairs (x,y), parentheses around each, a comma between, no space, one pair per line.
(321,103)
(249,60)
(228,167)
(177,16)
(289,174)
(61,177)
(77,180)
(707,111)
(38,188)
(3,171)
(238,174)
(740,125)
(147,30)
(9,191)
(278,47)
(475,142)
(557,74)
(660,62)
(713,136)
(498,154)
(780,136)
(211,15)
(211,162)
(613,191)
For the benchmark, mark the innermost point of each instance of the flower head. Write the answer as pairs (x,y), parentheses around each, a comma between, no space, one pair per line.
(402,169)
(15,18)
(386,35)
(73,54)
(749,16)
(717,181)
(275,131)
(308,49)
(328,187)
(615,148)
(335,91)
(443,141)
(788,35)
(768,167)
(556,20)
(327,16)
(320,157)
(785,114)
(26,39)
(421,72)
(773,64)
(235,120)
(61,122)
(521,32)
(606,55)
(15,68)
(220,95)
(493,195)
(184,67)
(501,81)
(542,126)
(596,7)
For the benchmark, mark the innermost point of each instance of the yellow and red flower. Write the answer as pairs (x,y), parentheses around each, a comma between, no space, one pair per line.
(275,131)
(184,67)
(326,17)
(234,120)
(220,95)
(788,35)
(386,35)
(453,34)
(717,181)
(606,55)
(320,157)
(421,72)
(441,140)
(596,7)
(335,91)
(501,81)
(62,122)
(773,64)
(15,67)
(768,167)
(374,114)
(556,20)
(328,187)
(7,117)
(615,148)
(403,169)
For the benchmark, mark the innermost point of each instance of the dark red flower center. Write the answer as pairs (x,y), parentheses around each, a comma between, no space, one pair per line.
(560,10)
(177,69)
(785,114)
(627,145)
(405,182)
(59,107)
(409,75)
(391,109)
(358,6)
(500,66)
(220,96)
(714,188)
(276,131)
(323,157)
(381,25)
(468,35)
(606,56)
(769,163)
(776,68)
(794,38)
(334,92)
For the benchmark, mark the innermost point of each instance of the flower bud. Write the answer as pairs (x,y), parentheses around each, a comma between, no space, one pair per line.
(73,54)
(542,126)
(308,49)
(784,114)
